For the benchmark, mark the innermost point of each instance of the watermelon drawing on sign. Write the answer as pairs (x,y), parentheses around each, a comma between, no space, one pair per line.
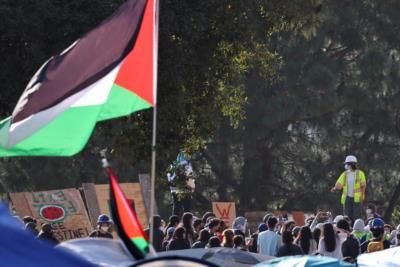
(52,213)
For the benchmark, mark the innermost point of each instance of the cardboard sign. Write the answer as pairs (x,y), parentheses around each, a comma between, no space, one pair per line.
(225,211)
(132,192)
(63,209)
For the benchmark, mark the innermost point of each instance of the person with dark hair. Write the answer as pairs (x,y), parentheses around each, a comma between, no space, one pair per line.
(329,245)
(238,243)
(158,235)
(202,241)
(269,242)
(316,235)
(288,226)
(350,244)
(306,242)
(353,184)
(371,213)
(288,248)
(168,237)
(47,235)
(213,226)
(206,217)
(213,242)
(227,238)
(378,241)
(173,221)
(179,240)
(187,219)
(197,226)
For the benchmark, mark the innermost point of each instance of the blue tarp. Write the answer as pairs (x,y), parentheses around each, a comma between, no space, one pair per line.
(20,248)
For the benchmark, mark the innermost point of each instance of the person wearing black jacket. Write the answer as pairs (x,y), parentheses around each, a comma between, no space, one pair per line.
(288,248)
(178,240)
(47,236)
(158,235)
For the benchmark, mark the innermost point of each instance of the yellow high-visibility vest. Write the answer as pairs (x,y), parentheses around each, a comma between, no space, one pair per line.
(359,179)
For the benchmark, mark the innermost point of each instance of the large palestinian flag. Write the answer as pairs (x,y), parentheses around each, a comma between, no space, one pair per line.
(108,73)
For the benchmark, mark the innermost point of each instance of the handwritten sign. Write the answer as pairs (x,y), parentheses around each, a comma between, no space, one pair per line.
(63,209)
(225,211)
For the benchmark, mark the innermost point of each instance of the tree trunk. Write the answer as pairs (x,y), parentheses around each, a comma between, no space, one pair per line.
(392,203)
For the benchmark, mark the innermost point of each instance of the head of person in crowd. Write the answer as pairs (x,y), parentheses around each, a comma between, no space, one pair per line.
(104,223)
(173,221)
(343,225)
(287,238)
(262,227)
(295,231)
(266,217)
(329,237)
(305,237)
(359,226)
(377,228)
(162,225)
(179,233)
(238,241)
(197,225)
(213,242)
(222,226)
(156,221)
(338,218)
(227,238)
(272,222)
(213,225)
(370,211)
(239,225)
(206,217)
(187,221)
(288,226)
(170,233)
(387,229)
(28,219)
(204,235)
(31,227)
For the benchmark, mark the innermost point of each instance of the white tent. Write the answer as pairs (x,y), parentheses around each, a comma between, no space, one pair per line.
(385,258)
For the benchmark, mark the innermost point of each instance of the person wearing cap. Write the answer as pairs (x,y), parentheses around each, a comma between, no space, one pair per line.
(103,227)
(377,230)
(352,182)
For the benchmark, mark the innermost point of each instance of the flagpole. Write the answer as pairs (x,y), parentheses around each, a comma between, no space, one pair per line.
(154,140)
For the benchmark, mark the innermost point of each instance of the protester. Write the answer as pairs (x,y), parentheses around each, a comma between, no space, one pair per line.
(197,226)
(178,240)
(187,220)
(213,226)
(47,235)
(295,231)
(359,230)
(378,241)
(158,235)
(353,184)
(103,227)
(306,242)
(329,245)
(207,217)
(350,245)
(371,213)
(168,237)
(239,226)
(288,226)
(239,243)
(227,241)
(222,227)
(316,235)
(269,242)
(31,228)
(213,242)
(202,241)
(288,248)
(173,222)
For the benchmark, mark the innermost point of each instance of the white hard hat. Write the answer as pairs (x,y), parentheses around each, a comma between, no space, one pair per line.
(350,159)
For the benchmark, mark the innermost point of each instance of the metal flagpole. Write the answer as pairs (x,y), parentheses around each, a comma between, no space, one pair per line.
(153,143)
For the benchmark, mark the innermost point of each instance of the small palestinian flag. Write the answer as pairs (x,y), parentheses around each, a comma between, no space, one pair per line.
(128,227)
(108,73)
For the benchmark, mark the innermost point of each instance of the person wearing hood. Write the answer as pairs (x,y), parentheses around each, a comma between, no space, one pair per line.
(359,230)
(239,226)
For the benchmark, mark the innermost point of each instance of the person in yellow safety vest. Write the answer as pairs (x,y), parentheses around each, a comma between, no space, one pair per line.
(353,184)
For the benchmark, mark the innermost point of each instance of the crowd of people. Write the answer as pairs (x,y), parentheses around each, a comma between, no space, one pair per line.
(322,234)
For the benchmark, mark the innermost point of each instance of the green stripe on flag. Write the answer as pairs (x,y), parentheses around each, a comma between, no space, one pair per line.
(141,243)
(121,102)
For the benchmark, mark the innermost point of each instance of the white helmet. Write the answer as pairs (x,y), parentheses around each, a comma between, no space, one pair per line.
(350,159)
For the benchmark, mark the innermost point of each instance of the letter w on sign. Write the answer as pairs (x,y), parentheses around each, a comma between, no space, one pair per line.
(225,211)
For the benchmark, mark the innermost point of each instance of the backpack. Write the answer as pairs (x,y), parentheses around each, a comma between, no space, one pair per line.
(375,246)
(351,247)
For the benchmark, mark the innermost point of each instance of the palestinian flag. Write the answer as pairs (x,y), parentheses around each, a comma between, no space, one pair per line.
(108,73)
(128,227)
